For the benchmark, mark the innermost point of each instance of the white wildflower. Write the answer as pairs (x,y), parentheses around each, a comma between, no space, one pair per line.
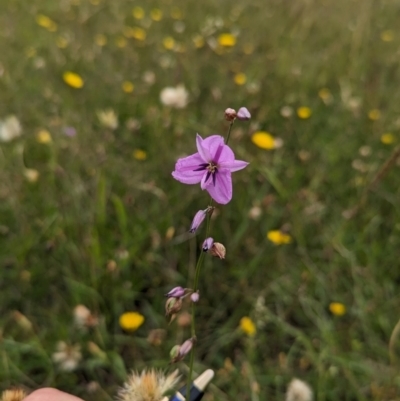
(108,118)
(67,357)
(10,128)
(299,391)
(175,97)
(84,318)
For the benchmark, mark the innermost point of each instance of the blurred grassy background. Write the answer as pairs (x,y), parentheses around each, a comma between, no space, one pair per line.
(91,215)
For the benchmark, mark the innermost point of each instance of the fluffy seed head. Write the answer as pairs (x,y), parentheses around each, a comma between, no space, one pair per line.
(299,391)
(147,386)
(15,394)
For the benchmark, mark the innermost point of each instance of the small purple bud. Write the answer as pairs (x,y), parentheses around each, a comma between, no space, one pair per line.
(207,244)
(186,347)
(176,292)
(243,114)
(69,131)
(197,220)
(195,297)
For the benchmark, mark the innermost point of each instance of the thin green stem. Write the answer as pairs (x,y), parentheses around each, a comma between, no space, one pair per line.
(195,286)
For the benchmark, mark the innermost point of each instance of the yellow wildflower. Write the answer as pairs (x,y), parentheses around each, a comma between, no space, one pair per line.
(278,237)
(139,154)
(46,22)
(61,42)
(169,42)
(176,13)
(263,140)
(388,138)
(337,308)
(121,42)
(127,86)
(240,78)
(248,326)
(374,114)
(72,79)
(156,14)
(131,321)
(138,13)
(138,33)
(387,36)
(226,40)
(198,41)
(100,39)
(43,136)
(304,112)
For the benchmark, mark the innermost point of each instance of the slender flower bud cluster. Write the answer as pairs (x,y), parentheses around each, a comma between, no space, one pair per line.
(211,167)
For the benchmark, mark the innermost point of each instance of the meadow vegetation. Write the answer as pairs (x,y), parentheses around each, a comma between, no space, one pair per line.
(93,226)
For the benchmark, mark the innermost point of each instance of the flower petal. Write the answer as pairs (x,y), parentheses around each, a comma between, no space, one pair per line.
(235,165)
(213,144)
(203,152)
(185,169)
(221,192)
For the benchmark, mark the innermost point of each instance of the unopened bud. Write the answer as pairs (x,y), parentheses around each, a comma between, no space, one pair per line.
(207,244)
(197,220)
(173,305)
(186,347)
(230,114)
(176,292)
(195,297)
(174,353)
(243,114)
(218,250)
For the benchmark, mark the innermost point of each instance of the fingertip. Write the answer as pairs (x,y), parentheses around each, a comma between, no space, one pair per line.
(51,394)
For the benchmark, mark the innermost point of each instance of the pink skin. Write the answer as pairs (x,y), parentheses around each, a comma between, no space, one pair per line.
(51,394)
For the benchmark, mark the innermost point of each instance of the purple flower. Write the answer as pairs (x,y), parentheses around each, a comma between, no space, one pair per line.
(243,114)
(211,166)
(194,297)
(197,220)
(176,292)
(207,244)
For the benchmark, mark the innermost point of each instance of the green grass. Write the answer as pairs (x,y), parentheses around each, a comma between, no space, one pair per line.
(93,200)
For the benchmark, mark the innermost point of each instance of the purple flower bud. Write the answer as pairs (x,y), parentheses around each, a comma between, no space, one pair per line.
(176,292)
(186,347)
(197,220)
(195,297)
(207,244)
(243,114)
(230,114)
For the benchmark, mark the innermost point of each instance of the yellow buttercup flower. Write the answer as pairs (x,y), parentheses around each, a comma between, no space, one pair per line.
(127,86)
(121,42)
(46,22)
(388,138)
(240,78)
(226,40)
(156,14)
(138,33)
(169,42)
(43,136)
(337,308)
(198,41)
(387,36)
(138,13)
(139,154)
(304,112)
(100,39)
(278,237)
(263,140)
(374,114)
(248,326)
(131,321)
(73,80)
